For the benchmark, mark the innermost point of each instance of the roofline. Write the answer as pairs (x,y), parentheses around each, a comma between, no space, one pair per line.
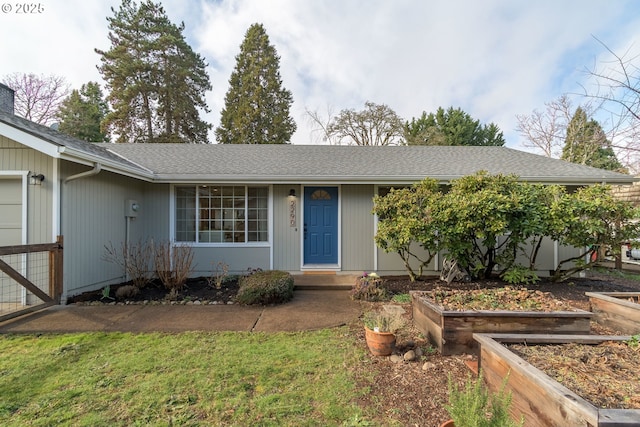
(332,179)
(49,147)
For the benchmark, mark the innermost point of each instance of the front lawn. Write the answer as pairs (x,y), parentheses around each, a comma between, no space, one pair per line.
(100,379)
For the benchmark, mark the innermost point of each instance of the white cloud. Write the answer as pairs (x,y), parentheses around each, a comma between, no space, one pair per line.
(494,59)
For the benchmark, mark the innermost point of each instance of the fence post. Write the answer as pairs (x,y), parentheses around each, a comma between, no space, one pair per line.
(55,270)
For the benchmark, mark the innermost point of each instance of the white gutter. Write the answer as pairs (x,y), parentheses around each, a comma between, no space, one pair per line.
(88,159)
(96,170)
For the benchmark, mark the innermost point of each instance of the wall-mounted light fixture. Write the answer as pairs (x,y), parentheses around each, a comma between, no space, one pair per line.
(36,179)
(292,192)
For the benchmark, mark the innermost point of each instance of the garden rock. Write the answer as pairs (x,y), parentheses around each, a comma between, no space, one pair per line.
(409,356)
(396,358)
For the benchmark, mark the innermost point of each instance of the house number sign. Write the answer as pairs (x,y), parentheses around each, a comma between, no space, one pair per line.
(292,212)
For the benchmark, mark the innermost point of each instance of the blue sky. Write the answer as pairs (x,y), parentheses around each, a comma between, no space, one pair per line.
(492,58)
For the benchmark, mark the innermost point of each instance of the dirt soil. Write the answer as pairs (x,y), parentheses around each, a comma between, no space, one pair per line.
(415,392)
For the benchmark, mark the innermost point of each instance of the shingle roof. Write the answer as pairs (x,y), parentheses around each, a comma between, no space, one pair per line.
(327,163)
(312,163)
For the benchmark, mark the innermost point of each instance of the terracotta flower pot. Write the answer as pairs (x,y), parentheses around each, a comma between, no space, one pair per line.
(448,423)
(380,343)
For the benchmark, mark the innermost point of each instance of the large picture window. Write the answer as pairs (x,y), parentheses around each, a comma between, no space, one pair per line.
(222,214)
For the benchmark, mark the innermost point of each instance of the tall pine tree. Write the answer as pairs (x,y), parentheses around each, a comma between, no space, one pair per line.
(81,113)
(587,144)
(256,106)
(157,83)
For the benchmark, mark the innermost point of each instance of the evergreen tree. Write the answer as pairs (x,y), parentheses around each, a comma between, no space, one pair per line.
(82,112)
(451,127)
(587,144)
(156,81)
(256,105)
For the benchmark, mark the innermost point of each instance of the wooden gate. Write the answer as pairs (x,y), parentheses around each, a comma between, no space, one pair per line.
(35,271)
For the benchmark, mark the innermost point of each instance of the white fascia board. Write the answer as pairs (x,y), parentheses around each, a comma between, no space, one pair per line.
(271,179)
(31,141)
(383,180)
(580,180)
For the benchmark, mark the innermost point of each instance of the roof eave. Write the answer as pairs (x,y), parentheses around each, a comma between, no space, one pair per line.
(82,157)
(28,139)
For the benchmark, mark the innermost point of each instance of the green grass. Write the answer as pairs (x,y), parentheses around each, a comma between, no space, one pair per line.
(401,298)
(100,379)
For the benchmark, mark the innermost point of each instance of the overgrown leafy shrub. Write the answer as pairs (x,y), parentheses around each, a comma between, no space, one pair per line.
(483,221)
(266,287)
(368,287)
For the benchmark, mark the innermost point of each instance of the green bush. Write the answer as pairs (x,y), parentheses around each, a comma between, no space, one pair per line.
(473,405)
(520,275)
(266,287)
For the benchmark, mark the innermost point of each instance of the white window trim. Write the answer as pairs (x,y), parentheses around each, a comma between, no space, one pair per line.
(197,244)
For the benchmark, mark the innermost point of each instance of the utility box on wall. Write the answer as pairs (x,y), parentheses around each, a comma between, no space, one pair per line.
(131,208)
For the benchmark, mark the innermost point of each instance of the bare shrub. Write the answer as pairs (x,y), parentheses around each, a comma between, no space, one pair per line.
(218,275)
(127,291)
(173,265)
(134,259)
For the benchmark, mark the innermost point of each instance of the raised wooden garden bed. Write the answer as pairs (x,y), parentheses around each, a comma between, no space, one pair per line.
(452,331)
(540,399)
(617,310)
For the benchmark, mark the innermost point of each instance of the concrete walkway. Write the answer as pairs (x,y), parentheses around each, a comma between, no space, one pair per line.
(309,310)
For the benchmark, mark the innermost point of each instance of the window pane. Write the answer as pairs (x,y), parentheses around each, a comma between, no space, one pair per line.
(185,214)
(258,201)
(233,214)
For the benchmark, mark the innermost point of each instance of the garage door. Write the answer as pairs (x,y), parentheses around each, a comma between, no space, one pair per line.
(11,234)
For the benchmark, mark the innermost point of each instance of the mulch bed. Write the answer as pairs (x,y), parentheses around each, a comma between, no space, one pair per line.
(606,374)
(196,290)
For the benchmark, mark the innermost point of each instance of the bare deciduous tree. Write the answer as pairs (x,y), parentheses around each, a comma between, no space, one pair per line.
(546,130)
(375,125)
(616,90)
(321,124)
(37,98)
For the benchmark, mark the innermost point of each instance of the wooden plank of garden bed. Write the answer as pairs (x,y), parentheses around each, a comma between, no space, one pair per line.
(555,405)
(540,399)
(452,331)
(618,418)
(612,310)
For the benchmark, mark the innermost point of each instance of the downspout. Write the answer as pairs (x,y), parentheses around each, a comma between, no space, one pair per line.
(96,170)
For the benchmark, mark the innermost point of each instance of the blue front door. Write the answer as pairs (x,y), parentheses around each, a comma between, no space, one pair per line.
(321,225)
